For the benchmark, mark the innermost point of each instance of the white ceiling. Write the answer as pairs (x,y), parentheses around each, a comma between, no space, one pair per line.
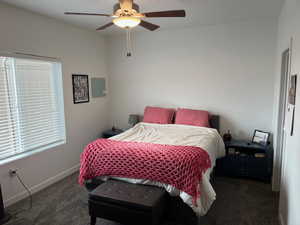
(199,12)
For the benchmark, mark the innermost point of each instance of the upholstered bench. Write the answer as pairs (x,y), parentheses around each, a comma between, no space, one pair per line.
(127,203)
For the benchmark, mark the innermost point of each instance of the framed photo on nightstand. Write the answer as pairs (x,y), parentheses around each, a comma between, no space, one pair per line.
(261,137)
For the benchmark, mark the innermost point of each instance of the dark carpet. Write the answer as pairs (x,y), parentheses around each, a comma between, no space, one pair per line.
(239,202)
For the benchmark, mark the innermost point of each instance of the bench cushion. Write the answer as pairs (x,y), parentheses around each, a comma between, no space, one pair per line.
(128,195)
(126,203)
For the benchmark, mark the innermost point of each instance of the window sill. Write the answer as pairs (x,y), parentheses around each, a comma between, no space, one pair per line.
(29,153)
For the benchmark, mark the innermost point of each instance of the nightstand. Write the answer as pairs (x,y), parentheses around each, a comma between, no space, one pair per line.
(246,159)
(111,133)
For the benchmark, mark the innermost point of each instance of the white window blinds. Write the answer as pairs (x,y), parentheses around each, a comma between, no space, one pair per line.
(31,106)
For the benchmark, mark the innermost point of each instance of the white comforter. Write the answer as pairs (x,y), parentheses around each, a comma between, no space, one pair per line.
(172,134)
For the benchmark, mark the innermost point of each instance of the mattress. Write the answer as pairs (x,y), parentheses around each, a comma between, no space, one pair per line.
(172,134)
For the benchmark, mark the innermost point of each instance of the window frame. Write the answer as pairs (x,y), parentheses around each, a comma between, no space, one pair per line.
(58,88)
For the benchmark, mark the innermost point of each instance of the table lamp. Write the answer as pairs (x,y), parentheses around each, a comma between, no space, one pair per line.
(133,119)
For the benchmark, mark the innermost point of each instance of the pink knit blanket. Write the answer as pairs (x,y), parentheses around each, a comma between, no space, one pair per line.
(179,166)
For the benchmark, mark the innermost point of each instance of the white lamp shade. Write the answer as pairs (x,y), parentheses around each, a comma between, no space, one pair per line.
(126,22)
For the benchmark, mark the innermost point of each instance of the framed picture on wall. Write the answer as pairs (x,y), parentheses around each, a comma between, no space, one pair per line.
(292,99)
(293,90)
(80,88)
(98,87)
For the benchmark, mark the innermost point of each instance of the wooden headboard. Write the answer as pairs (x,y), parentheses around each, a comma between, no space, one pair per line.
(215,122)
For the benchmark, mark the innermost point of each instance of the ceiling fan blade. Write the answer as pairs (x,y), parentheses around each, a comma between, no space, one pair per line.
(149,26)
(171,13)
(105,26)
(86,14)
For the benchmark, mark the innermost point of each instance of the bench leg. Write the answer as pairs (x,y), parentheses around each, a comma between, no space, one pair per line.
(93,220)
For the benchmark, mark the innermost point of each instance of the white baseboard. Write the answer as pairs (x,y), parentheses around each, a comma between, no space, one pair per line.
(41,185)
(281,219)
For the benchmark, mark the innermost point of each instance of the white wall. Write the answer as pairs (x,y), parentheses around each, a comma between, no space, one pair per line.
(81,51)
(227,69)
(290,183)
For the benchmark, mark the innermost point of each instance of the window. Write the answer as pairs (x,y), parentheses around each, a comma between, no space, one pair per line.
(31,106)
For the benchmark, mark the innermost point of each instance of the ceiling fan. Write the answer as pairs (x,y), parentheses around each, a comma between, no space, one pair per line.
(127,15)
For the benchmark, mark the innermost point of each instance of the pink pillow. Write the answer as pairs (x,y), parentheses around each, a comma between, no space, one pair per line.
(192,117)
(158,115)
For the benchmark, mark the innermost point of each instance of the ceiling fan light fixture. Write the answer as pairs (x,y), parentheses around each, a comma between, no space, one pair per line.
(127,21)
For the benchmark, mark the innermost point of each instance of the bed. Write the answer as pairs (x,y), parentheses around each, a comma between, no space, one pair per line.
(179,135)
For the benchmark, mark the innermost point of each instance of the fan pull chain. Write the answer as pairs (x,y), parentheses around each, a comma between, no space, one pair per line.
(128,42)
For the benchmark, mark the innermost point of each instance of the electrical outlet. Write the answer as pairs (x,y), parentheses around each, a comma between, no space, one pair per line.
(12,172)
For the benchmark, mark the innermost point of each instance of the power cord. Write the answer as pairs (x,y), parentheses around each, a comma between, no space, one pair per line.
(15,173)
(27,189)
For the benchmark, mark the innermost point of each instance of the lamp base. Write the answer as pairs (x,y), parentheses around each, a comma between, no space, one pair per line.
(5,219)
